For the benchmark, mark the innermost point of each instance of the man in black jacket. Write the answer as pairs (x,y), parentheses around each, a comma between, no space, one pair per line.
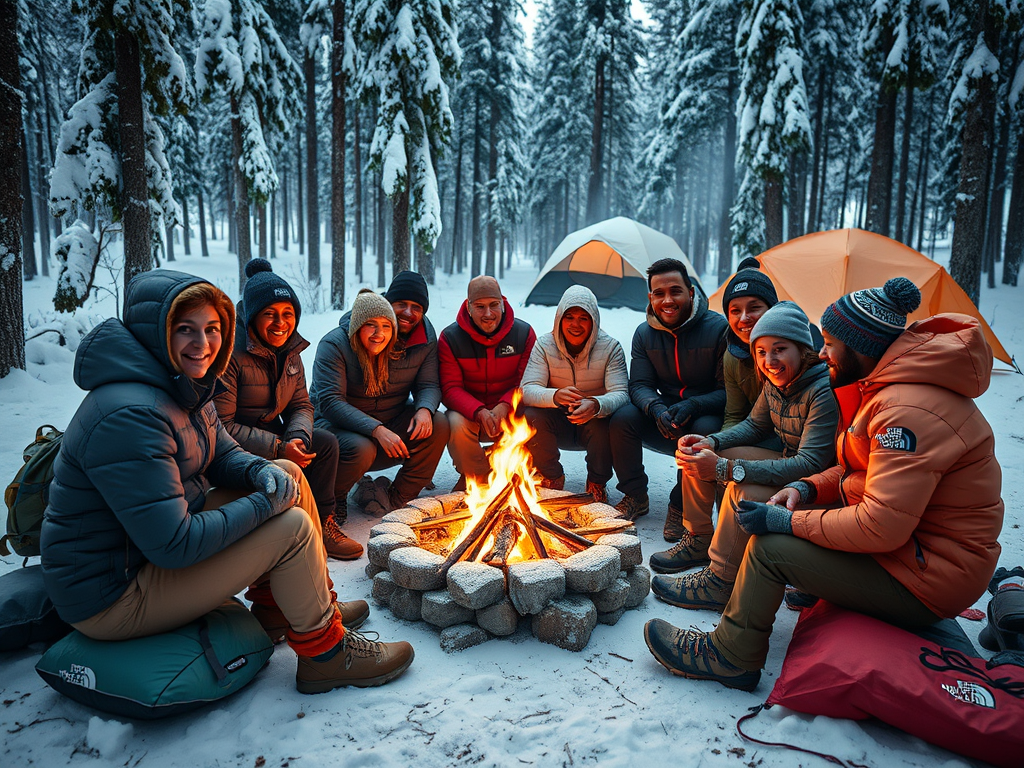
(675,381)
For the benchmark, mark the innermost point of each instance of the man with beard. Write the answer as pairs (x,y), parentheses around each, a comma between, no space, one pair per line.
(904,528)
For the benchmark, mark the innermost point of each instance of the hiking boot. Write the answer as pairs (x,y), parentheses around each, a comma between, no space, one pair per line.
(460,485)
(689,552)
(674,528)
(634,506)
(377,495)
(797,600)
(700,590)
(357,660)
(270,617)
(691,653)
(554,483)
(598,491)
(338,545)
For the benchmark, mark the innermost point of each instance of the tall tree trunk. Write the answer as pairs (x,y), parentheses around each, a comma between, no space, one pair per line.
(338,84)
(816,170)
(815,226)
(43,195)
(272,219)
(400,230)
(381,244)
(596,182)
(474,269)
(728,182)
(28,226)
(261,223)
(357,173)
(312,177)
(1013,248)
(492,174)
(997,201)
(843,198)
(241,194)
(203,248)
(186,240)
(969,232)
(772,211)
(136,233)
(924,173)
(170,243)
(880,180)
(456,220)
(795,224)
(230,196)
(286,211)
(908,130)
(12,340)
(300,221)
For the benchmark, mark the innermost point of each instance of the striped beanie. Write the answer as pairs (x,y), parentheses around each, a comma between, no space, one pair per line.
(868,321)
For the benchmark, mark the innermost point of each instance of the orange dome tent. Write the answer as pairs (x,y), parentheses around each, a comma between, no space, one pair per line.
(816,269)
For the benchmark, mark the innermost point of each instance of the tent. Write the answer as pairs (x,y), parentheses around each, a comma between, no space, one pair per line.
(816,269)
(611,259)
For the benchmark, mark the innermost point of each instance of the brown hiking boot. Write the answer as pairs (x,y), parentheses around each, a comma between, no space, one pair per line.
(554,483)
(674,528)
(338,545)
(700,590)
(270,617)
(598,491)
(689,552)
(634,506)
(356,660)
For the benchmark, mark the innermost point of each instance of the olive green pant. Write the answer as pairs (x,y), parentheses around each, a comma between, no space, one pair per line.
(287,551)
(849,579)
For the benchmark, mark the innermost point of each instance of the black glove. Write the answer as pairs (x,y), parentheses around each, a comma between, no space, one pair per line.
(278,486)
(757,518)
(672,420)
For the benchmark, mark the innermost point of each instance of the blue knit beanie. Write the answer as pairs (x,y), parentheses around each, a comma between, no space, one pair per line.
(868,321)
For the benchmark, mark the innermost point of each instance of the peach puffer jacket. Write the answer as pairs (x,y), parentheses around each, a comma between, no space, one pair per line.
(917,473)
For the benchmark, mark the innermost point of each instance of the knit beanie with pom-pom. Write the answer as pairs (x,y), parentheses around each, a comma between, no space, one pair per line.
(367,306)
(868,321)
(263,288)
(749,280)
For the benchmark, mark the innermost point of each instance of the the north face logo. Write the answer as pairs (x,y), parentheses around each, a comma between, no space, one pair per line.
(293,370)
(740,287)
(971,693)
(897,439)
(79,675)
(283,292)
(508,349)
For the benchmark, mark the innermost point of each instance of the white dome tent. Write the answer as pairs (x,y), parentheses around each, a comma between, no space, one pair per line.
(611,259)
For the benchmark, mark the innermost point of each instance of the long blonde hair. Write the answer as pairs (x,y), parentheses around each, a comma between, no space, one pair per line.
(376,370)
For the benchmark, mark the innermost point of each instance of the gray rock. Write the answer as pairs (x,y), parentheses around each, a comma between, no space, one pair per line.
(449,501)
(462,636)
(379,548)
(630,555)
(639,586)
(429,506)
(475,585)
(566,623)
(398,529)
(407,515)
(533,584)
(613,598)
(372,570)
(383,586)
(591,570)
(439,609)
(586,514)
(415,568)
(612,618)
(499,619)
(406,604)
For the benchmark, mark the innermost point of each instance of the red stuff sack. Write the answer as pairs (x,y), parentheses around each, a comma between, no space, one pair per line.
(844,664)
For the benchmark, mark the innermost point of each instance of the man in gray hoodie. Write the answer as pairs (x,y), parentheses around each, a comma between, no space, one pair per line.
(575,379)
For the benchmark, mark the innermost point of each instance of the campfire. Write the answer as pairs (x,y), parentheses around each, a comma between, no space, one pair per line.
(473,564)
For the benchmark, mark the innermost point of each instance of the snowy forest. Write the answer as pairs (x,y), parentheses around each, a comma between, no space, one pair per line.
(438,135)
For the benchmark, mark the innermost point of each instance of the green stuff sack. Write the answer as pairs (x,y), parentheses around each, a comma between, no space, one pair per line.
(161,675)
(29,493)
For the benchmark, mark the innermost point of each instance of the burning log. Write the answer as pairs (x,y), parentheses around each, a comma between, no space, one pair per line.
(504,542)
(434,522)
(603,528)
(560,533)
(563,502)
(530,525)
(483,525)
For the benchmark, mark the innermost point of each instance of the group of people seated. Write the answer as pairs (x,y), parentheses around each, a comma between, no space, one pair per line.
(199,465)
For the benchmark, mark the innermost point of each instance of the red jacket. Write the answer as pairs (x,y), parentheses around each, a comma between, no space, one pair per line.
(479,371)
(917,484)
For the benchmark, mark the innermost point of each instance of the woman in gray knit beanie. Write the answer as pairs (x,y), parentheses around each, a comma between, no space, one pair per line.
(372,331)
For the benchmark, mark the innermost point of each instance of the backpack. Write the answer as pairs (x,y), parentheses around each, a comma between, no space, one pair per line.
(27,496)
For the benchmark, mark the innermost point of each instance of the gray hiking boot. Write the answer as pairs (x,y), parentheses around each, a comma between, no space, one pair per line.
(700,590)
(689,552)
(691,653)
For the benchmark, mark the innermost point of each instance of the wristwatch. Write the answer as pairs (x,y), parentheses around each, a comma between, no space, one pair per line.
(738,473)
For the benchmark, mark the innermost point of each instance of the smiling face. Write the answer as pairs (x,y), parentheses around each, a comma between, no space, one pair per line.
(409,315)
(576,326)
(375,334)
(845,366)
(744,313)
(275,323)
(778,359)
(670,299)
(486,313)
(196,341)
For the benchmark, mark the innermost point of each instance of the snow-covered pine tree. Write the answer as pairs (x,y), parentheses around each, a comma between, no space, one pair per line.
(411,56)
(772,105)
(110,155)
(1013,249)
(241,52)
(12,344)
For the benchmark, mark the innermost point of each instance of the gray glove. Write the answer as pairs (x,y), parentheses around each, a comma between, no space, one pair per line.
(757,518)
(279,486)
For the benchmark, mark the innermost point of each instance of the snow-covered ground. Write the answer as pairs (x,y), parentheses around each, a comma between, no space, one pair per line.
(505,703)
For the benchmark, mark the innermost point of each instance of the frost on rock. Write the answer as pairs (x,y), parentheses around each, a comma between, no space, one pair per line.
(77,252)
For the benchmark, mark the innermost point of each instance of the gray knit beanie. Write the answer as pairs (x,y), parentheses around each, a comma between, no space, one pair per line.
(868,321)
(785,320)
(367,306)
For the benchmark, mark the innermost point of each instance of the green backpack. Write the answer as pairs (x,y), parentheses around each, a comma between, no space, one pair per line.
(27,496)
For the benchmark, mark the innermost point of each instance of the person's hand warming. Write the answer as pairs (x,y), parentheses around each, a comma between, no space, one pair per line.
(583,411)
(278,485)
(422,424)
(700,464)
(786,497)
(295,450)
(758,518)
(392,444)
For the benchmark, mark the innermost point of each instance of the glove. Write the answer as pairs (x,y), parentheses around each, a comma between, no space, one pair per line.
(671,420)
(279,486)
(757,518)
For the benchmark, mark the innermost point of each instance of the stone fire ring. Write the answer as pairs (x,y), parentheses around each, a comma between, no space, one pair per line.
(563,599)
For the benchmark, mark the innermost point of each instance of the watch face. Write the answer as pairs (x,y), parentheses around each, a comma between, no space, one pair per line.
(738,473)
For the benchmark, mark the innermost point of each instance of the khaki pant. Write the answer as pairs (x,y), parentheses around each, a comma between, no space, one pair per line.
(464,447)
(699,495)
(286,551)
(850,579)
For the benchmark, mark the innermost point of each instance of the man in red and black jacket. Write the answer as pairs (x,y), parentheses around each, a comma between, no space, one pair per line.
(482,357)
